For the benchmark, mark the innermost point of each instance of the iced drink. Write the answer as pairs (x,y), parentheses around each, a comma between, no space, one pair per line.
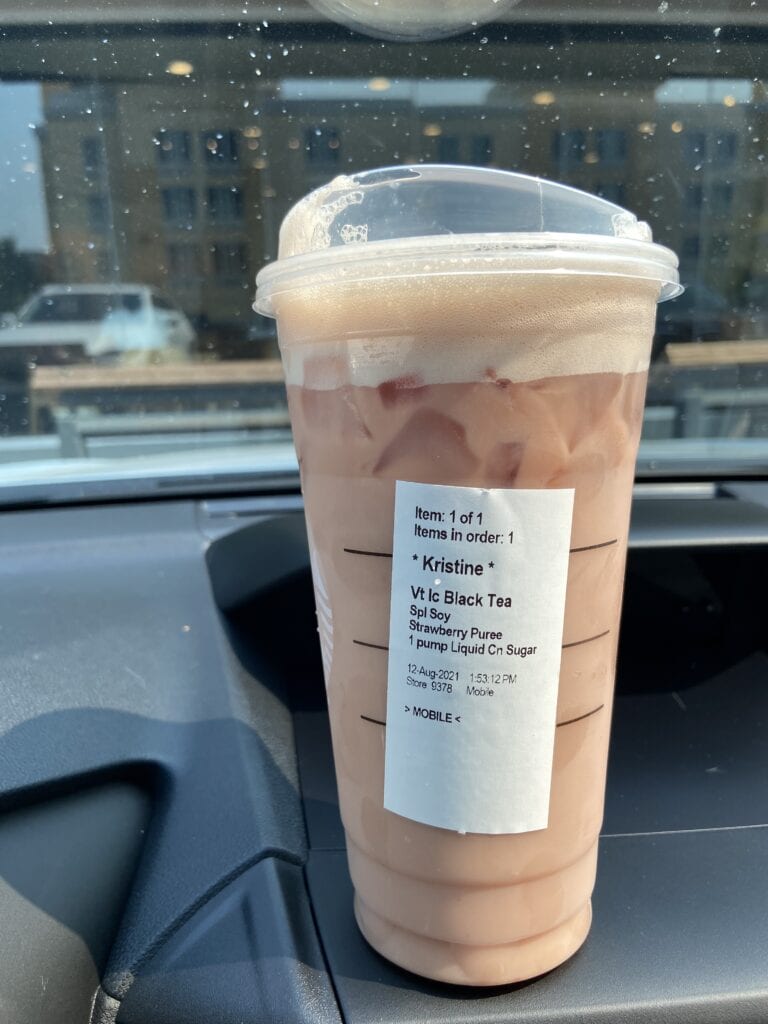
(486,380)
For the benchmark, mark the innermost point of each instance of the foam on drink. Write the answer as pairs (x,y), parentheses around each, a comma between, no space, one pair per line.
(354,332)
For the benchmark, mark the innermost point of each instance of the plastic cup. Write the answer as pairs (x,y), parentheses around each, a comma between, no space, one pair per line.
(466,354)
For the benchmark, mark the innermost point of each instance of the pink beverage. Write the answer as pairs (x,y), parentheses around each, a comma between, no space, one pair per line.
(467,426)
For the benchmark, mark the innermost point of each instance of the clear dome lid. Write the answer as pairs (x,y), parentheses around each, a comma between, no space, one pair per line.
(433,212)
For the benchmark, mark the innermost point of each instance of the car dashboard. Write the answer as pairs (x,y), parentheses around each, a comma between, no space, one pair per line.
(171,850)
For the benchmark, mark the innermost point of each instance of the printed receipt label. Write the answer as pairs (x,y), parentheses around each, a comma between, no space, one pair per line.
(475,639)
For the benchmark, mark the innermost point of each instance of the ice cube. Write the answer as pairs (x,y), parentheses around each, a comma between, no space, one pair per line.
(431,447)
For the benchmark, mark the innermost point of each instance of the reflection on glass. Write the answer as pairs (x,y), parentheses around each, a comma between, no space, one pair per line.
(412,19)
(77,307)
(162,165)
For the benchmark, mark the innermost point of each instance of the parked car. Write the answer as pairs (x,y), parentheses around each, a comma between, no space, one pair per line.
(101,323)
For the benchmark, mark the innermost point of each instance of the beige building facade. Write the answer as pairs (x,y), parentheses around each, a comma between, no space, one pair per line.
(182,184)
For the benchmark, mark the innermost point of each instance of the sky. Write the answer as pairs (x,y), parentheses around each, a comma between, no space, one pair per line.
(22,200)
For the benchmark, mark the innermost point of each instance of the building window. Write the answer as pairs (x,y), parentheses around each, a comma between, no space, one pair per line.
(184,260)
(179,206)
(694,198)
(225,205)
(323,145)
(611,145)
(481,150)
(690,248)
(220,149)
(103,264)
(694,148)
(614,192)
(93,157)
(724,149)
(448,149)
(568,147)
(98,213)
(173,148)
(722,198)
(230,261)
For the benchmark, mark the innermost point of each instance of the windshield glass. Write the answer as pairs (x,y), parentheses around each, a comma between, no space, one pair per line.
(78,307)
(160,147)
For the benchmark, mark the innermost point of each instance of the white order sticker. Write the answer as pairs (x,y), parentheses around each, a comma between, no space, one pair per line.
(475,640)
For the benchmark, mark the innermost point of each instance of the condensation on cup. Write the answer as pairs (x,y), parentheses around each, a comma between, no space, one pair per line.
(466,353)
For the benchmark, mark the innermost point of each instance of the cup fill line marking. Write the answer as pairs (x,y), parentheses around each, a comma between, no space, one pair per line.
(558,725)
(371,554)
(376,721)
(580,718)
(364,643)
(594,547)
(587,639)
(572,551)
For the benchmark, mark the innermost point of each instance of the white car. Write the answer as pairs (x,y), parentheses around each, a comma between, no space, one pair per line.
(99,323)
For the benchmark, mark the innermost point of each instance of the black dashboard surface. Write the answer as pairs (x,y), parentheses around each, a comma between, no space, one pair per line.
(170,846)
